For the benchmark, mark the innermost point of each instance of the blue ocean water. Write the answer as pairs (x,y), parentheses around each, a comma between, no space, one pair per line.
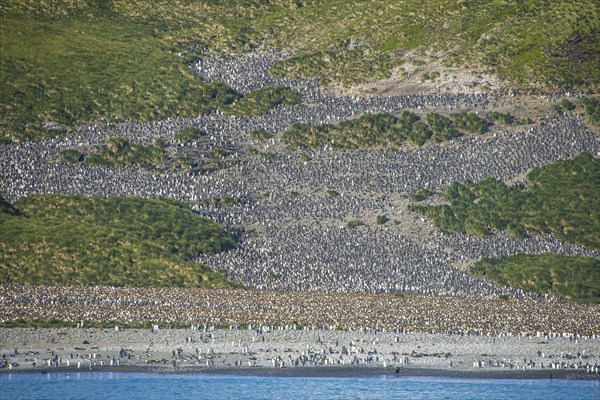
(120,385)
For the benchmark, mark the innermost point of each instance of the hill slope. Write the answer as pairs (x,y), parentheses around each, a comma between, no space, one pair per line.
(68,62)
(56,240)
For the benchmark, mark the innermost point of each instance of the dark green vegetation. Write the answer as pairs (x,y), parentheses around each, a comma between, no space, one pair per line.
(75,240)
(442,126)
(384,130)
(561,199)
(575,278)
(421,195)
(354,224)
(592,109)
(507,119)
(567,105)
(119,152)
(188,134)
(63,63)
(382,219)
(262,100)
(503,118)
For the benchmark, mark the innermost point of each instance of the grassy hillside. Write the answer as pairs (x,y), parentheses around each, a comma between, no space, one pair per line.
(75,240)
(536,41)
(575,278)
(562,199)
(64,62)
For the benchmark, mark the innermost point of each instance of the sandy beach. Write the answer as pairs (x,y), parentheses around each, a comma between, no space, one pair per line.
(260,350)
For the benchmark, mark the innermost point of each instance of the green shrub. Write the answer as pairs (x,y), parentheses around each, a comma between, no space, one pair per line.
(419,134)
(442,127)
(524,121)
(185,163)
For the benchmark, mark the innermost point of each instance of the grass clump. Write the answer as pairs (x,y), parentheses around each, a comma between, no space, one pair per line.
(354,224)
(265,155)
(384,130)
(58,72)
(262,100)
(76,240)
(217,201)
(72,155)
(188,134)
(382,219)
(119,152)
(260,134)
(562,199)
(592,109)
(369,130)
(469,122)
(503,118)
(567,105)
(572,277)
(421,195)
(442,127)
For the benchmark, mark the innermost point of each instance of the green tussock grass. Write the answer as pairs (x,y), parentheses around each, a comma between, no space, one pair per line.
(68,62)
(575,278)
(119,152)
(262,100)
(188,135)
(562,200)
(76,240)
(384,130)
(548,44)
(592,109)
(64,63)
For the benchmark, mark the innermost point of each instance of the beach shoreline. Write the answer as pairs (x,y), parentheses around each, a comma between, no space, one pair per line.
(323,372)
(296,353)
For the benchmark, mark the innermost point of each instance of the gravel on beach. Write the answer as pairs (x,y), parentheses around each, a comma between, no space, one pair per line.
(260,350)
